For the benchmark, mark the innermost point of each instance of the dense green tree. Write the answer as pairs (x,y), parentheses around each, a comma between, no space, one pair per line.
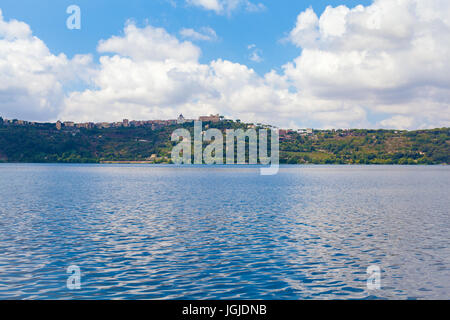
(43,143)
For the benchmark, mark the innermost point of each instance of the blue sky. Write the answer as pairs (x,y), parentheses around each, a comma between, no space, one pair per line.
(236,31)
(294,64)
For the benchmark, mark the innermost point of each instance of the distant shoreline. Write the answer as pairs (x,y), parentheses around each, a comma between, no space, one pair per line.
(235,165)
(148,145)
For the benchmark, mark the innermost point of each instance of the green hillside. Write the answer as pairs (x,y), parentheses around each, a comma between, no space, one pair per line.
(44,143)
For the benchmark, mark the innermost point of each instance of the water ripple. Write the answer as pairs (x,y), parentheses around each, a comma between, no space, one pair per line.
(160,232)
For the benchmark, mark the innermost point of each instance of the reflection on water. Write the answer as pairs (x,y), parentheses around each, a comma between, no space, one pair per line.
(161,232)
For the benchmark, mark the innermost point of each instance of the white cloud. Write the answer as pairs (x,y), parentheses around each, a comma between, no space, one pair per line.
(214,5)
(205,34)
(31,78)
(149,43)
(254,7)
(256,54)
(255,57)
(227,6)
(398,122)
(389,58)
(305,32)
(138,84)
(144,87)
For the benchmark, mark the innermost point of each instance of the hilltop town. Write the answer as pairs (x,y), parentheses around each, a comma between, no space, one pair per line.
(285,134)
(154,124)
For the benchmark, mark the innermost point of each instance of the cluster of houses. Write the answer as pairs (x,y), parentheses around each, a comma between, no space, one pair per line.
(17,122)
(285,134)
(288,134)
(154,124)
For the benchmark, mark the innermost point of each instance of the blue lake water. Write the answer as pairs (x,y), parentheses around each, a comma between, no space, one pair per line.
(162,232)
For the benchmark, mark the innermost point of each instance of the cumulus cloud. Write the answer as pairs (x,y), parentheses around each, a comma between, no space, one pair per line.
(140,84)
(147,86)
(254,7)
(227,6)
(389,58)
(149,43)
(31,78)
(205,34)
(214,5)
(386,61)
(398,122)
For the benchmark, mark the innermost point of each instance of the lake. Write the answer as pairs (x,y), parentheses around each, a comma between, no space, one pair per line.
(224,232)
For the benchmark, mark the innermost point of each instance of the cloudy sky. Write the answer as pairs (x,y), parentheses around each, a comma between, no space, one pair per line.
(321,64)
